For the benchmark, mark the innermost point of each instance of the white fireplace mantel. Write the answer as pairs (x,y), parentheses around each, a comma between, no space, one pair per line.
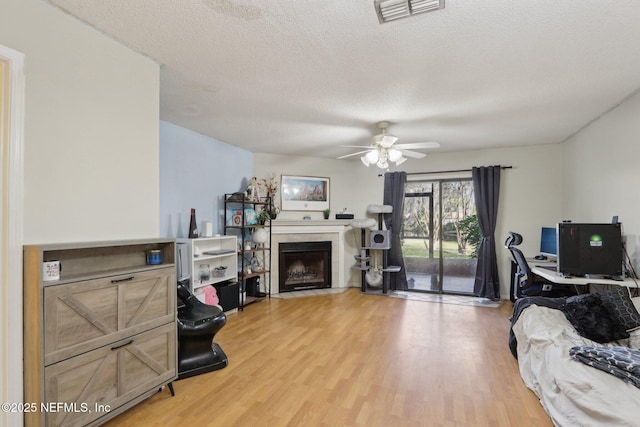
(309,226)
(311,230)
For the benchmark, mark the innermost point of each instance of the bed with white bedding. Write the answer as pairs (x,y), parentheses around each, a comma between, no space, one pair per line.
(573,393)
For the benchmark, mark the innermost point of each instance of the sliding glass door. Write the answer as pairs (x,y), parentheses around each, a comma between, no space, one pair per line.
(420,245)
(440,236)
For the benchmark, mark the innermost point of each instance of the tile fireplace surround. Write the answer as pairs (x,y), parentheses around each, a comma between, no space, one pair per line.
(313,231)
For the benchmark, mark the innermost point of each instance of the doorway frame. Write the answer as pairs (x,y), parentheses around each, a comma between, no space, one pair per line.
(12,111)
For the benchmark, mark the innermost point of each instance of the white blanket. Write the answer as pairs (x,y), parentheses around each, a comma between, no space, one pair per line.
(572,393)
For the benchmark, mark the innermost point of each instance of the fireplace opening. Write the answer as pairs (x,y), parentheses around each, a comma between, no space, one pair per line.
(304,265)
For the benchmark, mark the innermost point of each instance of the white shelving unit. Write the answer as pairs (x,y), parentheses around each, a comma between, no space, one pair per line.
(204,258)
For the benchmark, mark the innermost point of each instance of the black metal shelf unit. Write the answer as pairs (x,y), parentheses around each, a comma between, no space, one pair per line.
(254,259)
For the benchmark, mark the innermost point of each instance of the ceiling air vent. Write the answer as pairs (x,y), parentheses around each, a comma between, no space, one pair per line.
(390,10)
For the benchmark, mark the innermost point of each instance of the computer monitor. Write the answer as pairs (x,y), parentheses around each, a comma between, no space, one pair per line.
(594,249)
(548,241)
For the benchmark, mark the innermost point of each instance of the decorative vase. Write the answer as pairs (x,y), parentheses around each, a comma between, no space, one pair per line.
(260,235)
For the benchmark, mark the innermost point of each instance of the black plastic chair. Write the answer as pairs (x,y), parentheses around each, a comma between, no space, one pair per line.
(197,325)
(527,283)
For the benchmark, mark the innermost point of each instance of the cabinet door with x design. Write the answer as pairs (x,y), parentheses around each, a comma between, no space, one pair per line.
(88,314)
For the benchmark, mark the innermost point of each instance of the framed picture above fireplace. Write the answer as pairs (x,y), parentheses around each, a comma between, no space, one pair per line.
(304,193)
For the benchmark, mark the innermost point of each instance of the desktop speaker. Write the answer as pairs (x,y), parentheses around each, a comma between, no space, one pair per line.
(380,239)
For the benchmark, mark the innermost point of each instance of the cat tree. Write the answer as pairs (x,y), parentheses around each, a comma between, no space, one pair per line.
(379,239)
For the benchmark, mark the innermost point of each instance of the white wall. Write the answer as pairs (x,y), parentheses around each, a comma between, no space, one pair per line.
(345,177)
(601,172)
(530,195)
(195,172)
(91,136)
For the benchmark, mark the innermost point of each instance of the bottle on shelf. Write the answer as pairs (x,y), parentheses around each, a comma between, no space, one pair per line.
(193,228)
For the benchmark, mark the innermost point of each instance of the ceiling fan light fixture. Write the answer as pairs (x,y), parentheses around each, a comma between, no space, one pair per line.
(382,164)
(390,10)
(394,155)
(383,151)
(373,156)
(400,161)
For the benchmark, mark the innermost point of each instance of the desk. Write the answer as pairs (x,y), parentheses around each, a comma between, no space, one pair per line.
(537,268)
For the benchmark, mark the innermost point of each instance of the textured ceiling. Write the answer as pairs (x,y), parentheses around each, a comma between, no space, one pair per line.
(303,77)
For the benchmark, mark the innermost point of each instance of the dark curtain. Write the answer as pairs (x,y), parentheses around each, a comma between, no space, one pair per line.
(486,184)
(394,196)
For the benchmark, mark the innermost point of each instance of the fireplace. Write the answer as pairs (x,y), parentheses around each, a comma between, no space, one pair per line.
(304,265)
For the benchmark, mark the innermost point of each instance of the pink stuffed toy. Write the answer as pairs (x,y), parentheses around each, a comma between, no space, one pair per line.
(211,296)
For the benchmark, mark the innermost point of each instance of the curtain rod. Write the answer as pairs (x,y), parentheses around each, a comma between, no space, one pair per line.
(459,170)
(451,171)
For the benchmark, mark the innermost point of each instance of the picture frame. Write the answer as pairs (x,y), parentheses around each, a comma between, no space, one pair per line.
(235,217)
(304,193)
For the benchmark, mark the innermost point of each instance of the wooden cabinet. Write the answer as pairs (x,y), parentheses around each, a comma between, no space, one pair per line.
(102,337)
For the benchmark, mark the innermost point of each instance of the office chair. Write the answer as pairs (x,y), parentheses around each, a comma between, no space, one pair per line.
(527,283)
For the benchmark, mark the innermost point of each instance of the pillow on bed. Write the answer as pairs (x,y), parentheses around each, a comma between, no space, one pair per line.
(618,302)
(592,319)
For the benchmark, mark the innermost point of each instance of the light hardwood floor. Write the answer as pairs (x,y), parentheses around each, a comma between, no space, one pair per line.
(354,360)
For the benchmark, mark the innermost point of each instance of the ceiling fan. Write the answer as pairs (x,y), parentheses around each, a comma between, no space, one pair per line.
(383,149)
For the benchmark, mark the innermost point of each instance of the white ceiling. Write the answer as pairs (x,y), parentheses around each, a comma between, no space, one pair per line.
(303,77)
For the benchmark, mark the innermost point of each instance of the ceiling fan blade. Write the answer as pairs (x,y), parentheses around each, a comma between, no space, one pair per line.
(353,154)
(413,154)
(358,146)
(417,145)
(384,140)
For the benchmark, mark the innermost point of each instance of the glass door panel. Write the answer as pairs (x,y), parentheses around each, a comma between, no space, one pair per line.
(439,236)
(420,244)
(459,225)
